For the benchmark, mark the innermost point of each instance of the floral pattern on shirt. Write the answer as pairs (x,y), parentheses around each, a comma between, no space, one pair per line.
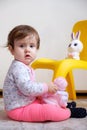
(20,87)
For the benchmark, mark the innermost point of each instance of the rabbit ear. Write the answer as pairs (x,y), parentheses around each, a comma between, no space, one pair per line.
(77,35)
(72,36)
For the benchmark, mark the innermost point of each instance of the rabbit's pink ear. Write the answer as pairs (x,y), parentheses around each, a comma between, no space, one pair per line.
(72,35)
(77,35)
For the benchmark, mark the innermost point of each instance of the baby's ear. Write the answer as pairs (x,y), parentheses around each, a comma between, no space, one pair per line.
(10,49)
(77,36)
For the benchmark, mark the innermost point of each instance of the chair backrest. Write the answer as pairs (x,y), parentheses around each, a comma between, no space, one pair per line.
(82,27)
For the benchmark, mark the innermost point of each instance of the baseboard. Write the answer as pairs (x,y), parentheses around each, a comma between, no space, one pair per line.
(81,92)
(0,92)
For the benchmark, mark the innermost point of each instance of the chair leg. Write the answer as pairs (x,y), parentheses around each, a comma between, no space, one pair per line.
(71,88)
(69,77)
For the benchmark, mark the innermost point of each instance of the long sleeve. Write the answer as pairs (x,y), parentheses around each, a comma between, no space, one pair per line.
(19,87)
(27,85)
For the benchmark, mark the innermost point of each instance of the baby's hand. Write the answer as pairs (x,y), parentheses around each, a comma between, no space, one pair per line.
(52,88)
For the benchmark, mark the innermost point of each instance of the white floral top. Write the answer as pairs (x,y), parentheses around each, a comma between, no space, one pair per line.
(19,87)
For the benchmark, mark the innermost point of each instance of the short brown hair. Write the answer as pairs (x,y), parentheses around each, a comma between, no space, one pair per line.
(20,32)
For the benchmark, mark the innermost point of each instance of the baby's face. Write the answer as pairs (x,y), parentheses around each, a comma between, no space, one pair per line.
(25,50)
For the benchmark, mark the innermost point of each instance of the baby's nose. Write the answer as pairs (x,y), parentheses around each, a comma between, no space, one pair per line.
(27,48)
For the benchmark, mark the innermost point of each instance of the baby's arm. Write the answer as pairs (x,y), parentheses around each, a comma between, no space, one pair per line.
(27,85)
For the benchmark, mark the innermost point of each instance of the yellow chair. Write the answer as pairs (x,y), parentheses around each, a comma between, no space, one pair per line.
(65,67)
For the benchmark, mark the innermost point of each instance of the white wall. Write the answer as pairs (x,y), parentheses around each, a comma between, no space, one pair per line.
(53,19)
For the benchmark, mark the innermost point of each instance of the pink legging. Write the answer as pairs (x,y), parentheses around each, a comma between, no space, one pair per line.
(37,112)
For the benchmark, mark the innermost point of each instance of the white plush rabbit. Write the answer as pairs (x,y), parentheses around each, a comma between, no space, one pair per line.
(75,47)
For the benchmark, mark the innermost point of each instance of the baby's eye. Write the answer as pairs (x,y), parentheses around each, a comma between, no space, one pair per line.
(21,45)
(32,45)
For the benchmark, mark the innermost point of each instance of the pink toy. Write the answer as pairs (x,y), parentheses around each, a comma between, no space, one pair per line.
(61,83)
(62,94)
(60,98)
(75,47)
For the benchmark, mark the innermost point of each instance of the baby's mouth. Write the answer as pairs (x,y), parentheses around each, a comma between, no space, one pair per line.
(27,56)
